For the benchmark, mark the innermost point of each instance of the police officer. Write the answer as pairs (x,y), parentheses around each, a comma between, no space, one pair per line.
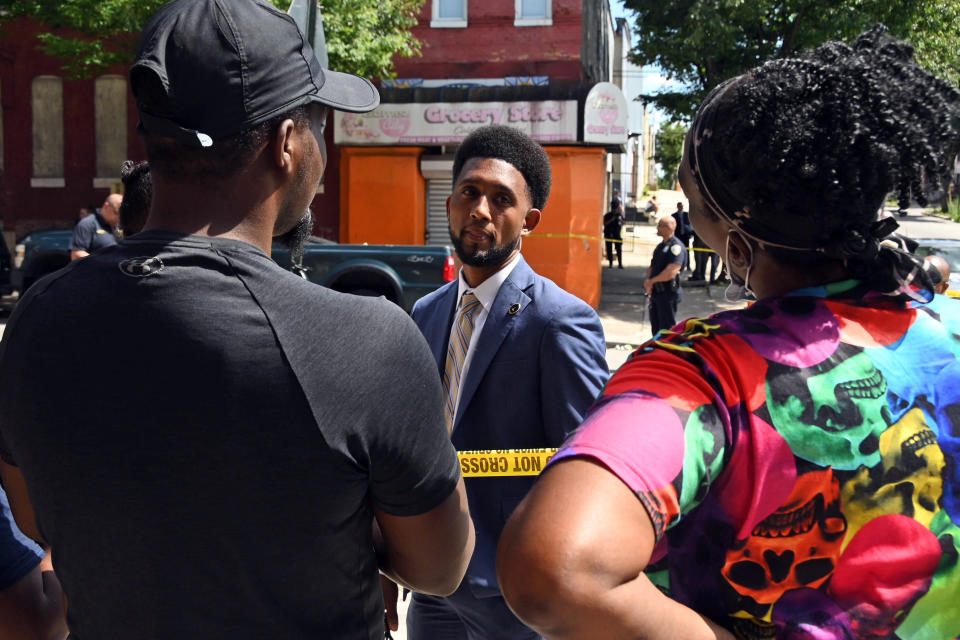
(663,276)
(612,226)
(96,231)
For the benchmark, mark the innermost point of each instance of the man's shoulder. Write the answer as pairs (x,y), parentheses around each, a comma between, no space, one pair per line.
(89,221)
(86,227)
(435,296)
(675,247)
(429,302)
(310,299)
(552,299)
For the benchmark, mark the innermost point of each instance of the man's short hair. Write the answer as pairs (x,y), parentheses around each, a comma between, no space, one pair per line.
(514,147)
(179,162)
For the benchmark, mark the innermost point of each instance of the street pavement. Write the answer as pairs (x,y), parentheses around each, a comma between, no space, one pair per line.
(622,307)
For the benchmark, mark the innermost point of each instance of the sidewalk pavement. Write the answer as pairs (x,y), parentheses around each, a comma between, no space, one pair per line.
(623,306)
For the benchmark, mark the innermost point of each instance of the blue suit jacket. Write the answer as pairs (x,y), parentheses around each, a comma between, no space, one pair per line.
(532,377)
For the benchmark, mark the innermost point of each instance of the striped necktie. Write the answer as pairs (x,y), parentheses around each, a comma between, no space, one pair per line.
(460,334)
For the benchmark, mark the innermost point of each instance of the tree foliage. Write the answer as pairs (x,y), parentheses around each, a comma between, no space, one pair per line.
(363,36)
(669,150)
(701,43)
(91,35)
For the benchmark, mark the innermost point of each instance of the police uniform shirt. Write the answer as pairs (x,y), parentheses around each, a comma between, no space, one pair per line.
(668,252)
(92,233)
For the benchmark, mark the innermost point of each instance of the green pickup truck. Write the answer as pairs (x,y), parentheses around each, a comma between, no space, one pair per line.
(401,273)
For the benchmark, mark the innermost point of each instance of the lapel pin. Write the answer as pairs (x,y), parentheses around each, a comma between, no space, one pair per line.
(514,308)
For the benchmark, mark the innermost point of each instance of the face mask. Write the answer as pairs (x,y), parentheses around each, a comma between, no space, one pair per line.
(738,289)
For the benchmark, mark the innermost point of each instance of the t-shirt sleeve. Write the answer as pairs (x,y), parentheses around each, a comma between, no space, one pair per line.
(82,237)
(370,381)
(413,464)
(18,554)
(662,429)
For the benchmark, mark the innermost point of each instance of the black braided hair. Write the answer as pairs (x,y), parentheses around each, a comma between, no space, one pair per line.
(811,146)
(512,146)
(137,195)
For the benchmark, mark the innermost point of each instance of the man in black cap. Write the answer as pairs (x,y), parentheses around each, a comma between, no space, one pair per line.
(260,446)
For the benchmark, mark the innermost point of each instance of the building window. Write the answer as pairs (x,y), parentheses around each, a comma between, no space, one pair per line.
(110,114)
(534,13)
(47,101)
(449,13)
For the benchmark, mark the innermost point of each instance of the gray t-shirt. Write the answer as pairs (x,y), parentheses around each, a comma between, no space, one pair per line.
(204,436)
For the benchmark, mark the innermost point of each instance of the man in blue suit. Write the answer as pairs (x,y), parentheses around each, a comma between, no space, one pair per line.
(521,360)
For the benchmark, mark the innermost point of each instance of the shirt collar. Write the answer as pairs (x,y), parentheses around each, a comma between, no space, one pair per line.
(486,291)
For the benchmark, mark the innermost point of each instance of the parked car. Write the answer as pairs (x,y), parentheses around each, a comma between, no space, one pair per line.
(401,273)
(949,250)
(38,254)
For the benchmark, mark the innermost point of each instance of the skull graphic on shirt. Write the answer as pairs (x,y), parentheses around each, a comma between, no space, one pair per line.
(832,413)
(796,546)
(908,480)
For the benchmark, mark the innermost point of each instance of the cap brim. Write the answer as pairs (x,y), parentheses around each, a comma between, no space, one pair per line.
(347,92)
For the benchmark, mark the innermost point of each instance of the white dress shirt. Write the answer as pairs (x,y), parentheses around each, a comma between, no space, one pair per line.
(486,293)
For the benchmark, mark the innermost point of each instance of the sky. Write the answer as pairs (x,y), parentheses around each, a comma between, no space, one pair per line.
(647,80)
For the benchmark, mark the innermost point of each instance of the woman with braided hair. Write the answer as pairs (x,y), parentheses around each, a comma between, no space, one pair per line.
(791,469)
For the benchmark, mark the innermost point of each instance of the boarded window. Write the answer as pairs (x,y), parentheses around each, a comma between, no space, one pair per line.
(47,101)
(110,108)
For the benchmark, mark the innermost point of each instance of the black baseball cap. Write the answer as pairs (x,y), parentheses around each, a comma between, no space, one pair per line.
(207,69)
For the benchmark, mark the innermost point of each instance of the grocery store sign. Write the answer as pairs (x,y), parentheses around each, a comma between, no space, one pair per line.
(450,123)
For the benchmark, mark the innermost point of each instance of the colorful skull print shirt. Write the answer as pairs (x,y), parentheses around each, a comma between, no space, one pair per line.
(800,462)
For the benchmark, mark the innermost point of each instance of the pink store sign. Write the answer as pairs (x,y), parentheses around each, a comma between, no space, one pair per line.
(605,115)
(449,123)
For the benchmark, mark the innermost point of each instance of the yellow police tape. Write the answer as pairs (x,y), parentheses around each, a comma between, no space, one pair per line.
(504,462)
(580,236)
(614,240)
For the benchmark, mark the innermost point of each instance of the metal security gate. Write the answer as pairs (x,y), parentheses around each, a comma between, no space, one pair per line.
(437,170)
(437,228)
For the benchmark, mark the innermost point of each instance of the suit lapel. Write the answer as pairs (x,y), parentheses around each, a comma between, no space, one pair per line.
(500,322)
(437,329)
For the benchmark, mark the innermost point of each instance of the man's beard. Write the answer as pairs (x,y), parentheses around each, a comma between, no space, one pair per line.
(496,254)
(295,238)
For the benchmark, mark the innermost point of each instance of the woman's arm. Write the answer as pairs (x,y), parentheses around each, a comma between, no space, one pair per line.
(570,562)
